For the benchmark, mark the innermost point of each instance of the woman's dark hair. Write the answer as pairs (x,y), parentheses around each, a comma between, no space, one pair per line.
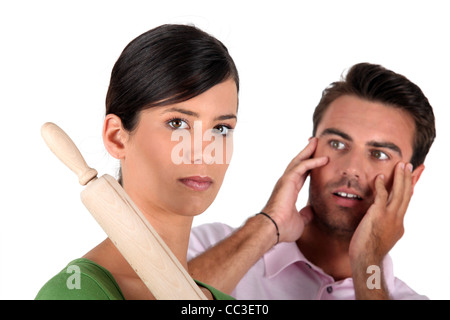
(166,65)
(377,84)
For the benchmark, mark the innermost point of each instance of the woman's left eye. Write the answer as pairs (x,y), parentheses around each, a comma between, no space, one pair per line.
(222,129)
(178,124)
(380,155)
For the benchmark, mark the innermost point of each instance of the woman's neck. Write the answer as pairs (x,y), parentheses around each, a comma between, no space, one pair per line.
(174,229)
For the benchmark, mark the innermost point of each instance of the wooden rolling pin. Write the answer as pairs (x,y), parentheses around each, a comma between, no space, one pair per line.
(124,224)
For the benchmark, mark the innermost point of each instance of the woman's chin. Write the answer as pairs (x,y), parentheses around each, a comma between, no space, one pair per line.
(192,210)
(193,204)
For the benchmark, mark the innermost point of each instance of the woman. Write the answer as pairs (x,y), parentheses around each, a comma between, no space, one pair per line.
(171,79)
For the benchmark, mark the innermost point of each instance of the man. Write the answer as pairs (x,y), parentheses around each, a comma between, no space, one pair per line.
(372,132)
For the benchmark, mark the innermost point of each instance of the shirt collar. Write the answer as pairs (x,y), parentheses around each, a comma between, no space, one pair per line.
(287,253)
(280,257)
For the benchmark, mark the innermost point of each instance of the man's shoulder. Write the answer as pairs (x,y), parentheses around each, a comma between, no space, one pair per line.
(211,232)
(403,292)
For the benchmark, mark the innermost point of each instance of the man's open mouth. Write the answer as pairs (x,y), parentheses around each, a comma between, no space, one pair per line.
(347,195)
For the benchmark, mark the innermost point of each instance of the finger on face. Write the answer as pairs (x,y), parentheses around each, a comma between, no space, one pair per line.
(303,167)
(407,194)
(382,195)
(397,185)
(402,186)
(306,153)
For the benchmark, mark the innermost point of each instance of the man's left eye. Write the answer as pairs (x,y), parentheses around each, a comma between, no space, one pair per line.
(380,155)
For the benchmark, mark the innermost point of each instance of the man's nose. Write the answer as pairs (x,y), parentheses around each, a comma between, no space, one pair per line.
(352,165)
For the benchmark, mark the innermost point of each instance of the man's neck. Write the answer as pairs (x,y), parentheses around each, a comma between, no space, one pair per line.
(326,250)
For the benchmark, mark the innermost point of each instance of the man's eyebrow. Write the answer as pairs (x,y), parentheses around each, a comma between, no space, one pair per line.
(196,115)
(385,145)
(337,132)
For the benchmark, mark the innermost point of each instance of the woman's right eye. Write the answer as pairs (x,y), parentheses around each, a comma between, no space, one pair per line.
(178,124)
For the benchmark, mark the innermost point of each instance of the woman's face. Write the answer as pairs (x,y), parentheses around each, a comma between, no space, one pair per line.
(177,156)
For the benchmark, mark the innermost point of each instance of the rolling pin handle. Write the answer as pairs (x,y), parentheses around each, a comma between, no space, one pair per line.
(66,150)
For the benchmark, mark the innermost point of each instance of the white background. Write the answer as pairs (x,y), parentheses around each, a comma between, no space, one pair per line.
(55,62)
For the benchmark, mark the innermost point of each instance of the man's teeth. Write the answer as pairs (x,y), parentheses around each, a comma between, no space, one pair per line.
(348,195)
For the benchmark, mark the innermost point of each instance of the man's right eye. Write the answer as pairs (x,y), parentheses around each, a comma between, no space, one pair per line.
(338,145)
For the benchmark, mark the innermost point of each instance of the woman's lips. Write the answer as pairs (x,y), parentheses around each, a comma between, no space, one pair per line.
(197,183)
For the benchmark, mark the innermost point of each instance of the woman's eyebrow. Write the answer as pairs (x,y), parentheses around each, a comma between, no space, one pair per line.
(196,115)
(186,112)
(225,117)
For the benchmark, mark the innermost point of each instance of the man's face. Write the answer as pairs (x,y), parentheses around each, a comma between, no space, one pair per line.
(362,140)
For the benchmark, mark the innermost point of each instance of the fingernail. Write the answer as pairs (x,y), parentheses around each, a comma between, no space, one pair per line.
(381,176)
(409,166)
(402,165)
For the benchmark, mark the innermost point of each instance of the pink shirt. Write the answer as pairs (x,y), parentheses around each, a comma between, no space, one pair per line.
(284,273)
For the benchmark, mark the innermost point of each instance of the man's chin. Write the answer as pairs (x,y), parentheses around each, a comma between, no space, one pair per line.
(341,222)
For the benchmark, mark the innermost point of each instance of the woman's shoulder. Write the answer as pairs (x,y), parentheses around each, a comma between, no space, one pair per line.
(217,295)
(81,279)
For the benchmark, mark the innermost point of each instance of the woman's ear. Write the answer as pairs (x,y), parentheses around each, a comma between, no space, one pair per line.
(114,136)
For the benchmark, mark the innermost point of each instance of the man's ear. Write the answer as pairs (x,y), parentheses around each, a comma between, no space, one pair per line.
(114,136)
(416,175)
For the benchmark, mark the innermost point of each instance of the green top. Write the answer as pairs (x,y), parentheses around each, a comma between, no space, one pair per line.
(83,279)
